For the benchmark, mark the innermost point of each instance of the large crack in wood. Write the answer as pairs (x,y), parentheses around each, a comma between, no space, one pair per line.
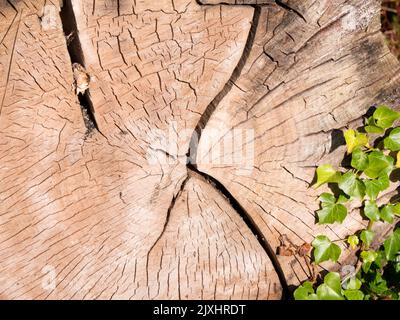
(192,155)
(205,117)
(74,47)
(76,54)
(247,219)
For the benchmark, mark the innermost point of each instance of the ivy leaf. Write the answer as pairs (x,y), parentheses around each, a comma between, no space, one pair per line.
(378,285)
(331,288)
(392,245)
(325,250)
(353,294)
(396,209)
(353,241)
(398,160)
(331,211)
(397,264)
(384,116)
(354,284)
(378,164)
(367,237)
(373,187)
(327,198)
(371,211)
(354,139)
(342,199)
(387,213)
(352,186)
(380,260)
(368,257)
(371,127)
(305,292)
(359,159)
(326,174)
(384,181)
(392,142)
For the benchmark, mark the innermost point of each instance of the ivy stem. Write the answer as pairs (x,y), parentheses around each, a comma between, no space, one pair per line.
(314,272)
(370,225)
(339,240)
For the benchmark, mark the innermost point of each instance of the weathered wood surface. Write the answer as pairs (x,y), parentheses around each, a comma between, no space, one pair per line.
(311,71)
(106,207)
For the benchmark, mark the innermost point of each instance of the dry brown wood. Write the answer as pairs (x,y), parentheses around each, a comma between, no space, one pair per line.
(97,200)
(311,71)
(90,208)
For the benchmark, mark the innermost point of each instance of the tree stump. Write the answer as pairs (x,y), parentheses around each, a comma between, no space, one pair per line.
(183,160)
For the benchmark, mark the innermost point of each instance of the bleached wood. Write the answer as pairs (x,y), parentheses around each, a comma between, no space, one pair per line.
(92,211)
(310,71)
(114,212)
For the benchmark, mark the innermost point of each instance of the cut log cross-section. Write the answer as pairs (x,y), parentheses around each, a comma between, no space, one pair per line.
(189,156)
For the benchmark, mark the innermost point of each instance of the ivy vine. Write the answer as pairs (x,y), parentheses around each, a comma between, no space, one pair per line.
(374,154)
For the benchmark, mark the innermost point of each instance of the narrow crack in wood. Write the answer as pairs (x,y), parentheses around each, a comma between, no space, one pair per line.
(75,52)
(11,56)
(167,218)
(289,8)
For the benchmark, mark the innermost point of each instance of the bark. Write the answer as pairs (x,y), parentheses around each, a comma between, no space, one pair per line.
(190,156)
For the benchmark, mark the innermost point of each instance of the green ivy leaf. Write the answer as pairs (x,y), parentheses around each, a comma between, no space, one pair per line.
(354,139)
(371,210)
(398,160)
(331,288)
(325,250)
(342,199)
(384,181)
(327,198)
(396,209)
(392,245)
(354,284)
(352,186)
(353,241)
(331,211)
(380,260)
(392,142)
(384,117)
(367,237)
(305,292)
(378,164)
(375,186)
(353,294)
(387,213)
(372,188)
(371,127)
(359,159)
(378,285)
(397,264)
(326,174)
(368,257)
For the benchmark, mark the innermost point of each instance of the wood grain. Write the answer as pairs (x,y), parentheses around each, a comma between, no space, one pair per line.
(92,216)
(307,75)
